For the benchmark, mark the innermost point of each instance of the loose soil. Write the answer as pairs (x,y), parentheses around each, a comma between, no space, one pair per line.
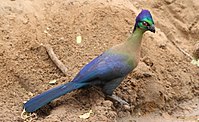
(164,87)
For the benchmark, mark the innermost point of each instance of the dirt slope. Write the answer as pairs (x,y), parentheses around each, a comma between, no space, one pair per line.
(163,86)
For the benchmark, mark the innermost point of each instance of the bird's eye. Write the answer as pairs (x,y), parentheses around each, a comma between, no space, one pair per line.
(145,23)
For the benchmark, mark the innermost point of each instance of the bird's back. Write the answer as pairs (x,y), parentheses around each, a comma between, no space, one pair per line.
(107,66)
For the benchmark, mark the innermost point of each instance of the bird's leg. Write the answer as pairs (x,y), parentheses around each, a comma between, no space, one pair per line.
(110,86)
(118,99)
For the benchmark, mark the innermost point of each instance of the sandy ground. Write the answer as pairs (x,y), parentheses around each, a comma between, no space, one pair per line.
(164,87)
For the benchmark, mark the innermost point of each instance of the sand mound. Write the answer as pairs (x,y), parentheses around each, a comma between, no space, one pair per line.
(164,83)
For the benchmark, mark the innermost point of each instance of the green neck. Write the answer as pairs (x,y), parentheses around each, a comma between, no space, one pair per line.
(136,38)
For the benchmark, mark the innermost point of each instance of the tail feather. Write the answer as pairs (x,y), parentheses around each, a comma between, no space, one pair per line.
(46,97)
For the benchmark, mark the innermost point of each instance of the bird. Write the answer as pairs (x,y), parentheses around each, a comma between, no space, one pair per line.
(107,70)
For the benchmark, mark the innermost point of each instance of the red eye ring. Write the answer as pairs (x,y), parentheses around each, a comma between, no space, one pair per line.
(145,23)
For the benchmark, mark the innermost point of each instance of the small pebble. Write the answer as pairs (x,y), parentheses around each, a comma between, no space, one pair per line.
(108,103)
(168,1)
(127,107)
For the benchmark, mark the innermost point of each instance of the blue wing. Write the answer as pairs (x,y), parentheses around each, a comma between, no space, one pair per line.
(105,67)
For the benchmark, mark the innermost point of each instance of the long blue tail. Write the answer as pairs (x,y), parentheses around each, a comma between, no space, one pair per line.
(46,97)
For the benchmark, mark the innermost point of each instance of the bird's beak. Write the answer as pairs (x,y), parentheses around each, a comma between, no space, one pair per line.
(152,28)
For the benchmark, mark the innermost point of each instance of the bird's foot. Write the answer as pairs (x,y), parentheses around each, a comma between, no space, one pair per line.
(118,99)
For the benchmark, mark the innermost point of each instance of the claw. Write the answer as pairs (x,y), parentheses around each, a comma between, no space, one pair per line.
(118,99)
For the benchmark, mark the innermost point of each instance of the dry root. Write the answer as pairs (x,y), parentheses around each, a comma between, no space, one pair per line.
(54,58)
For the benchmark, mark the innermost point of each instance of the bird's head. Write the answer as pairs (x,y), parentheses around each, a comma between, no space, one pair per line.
(144,21)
